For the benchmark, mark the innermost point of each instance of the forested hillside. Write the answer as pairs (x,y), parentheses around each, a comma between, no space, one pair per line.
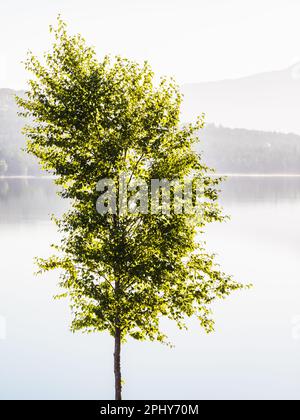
(13,161)
(248,151)
(227,150)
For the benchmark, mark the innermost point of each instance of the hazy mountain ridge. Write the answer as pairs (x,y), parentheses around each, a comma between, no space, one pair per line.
(227,150)
(267,101)
(249,151)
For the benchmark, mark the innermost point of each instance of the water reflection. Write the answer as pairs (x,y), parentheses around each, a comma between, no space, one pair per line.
(34,199)
(260,189)
(254,352)
(28,199)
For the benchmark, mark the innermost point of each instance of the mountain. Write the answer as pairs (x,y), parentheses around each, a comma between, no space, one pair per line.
(242,151)
(228,150)
(268,101)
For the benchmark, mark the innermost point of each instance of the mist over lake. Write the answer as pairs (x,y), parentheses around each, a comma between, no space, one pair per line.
(254,352)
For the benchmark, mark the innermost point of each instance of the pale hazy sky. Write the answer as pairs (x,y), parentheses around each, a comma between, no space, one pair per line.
(193,40)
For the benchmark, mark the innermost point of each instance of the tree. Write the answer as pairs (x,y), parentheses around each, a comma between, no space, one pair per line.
(123,271)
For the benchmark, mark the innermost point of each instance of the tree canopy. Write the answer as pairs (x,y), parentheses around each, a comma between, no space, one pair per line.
(95,119)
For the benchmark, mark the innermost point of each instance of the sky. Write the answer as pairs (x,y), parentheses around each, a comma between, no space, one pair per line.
(191,40)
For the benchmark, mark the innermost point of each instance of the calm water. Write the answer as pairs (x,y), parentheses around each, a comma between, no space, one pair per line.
(254,353)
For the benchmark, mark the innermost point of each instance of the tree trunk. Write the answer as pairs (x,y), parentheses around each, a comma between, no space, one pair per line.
(117,365)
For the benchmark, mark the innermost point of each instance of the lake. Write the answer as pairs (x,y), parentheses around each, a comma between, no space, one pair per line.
(253,354)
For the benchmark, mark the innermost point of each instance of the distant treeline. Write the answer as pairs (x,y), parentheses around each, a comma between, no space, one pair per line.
(13,160)
(248,151)
(227,150)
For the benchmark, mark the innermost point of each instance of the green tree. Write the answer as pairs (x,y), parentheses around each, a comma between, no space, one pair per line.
(94,120)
